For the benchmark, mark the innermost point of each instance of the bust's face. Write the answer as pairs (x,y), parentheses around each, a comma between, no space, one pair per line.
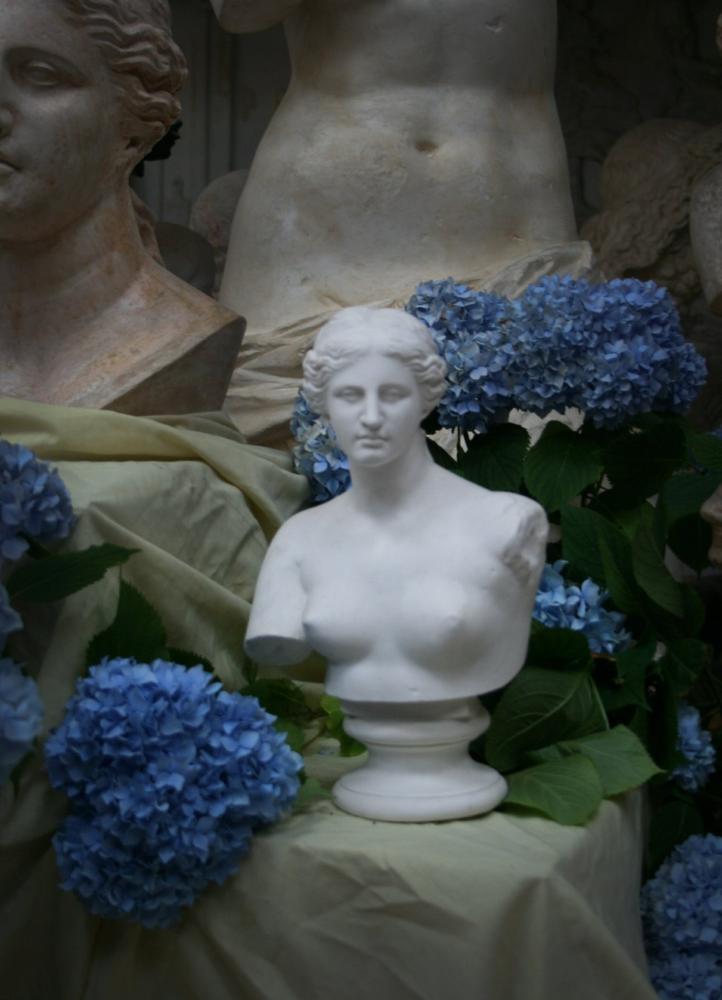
(60,147)
(375,407)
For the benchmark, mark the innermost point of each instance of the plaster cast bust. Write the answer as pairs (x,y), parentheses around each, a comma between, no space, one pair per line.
(416,140)
(88,318)
(416,585)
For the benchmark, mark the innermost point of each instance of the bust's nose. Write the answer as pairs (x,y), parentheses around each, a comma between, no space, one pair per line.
(371,416)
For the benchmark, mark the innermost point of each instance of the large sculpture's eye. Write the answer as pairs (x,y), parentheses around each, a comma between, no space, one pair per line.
(40,73)
(35,68)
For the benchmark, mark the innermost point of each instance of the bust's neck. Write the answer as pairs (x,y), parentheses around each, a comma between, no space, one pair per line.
(53,289)
(379,492)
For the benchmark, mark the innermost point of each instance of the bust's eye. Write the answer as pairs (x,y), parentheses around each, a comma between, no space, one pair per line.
(393,393)
(348,394)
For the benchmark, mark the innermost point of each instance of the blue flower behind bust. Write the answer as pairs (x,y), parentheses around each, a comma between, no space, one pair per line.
(168,776)
(21,715)
(560,604)
(33,501)
(695,745)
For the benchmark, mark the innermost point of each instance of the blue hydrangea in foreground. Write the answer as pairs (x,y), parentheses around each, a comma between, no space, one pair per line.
(168,775)
(682,903)
(695,745)
(21,715)
(10,620)
(565,605)
(33,501)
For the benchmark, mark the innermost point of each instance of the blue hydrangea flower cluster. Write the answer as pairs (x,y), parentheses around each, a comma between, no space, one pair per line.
(682,914)
(21,715)
(473,334)
(10,620)
(33,501)
(317,454)
(679,976)
(560,604)
(168,775)
(613,350)
(695,745)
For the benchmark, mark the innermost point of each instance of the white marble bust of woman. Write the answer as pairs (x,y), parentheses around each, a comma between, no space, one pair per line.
(415,585)
(87,317)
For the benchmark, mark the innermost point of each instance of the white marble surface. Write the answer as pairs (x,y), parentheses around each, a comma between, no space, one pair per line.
(415,585)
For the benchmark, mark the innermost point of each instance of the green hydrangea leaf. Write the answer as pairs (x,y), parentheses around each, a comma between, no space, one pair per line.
(579,541)
(187,658)
(638,464)
(619,756)
(295,734)
(495,460)
(348,746)
(558,649)
(136,631)
(671,824)
(441,456)
(632,667)
(56,577)
(683,662)
(650,571)
(541,707)
(567,790)
(279,696)
(706,450)
(690,539)
(560,465)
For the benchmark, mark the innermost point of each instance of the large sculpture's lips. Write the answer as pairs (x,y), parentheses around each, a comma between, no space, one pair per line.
(5,162)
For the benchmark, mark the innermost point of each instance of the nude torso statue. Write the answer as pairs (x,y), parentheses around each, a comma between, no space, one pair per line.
(418,139)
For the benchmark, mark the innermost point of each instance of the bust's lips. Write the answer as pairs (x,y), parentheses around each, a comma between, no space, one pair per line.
(7,163)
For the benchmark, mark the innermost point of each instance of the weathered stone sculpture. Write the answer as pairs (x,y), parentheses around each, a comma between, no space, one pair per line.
(648,181)
(416,585)
(87,317)
(415,141)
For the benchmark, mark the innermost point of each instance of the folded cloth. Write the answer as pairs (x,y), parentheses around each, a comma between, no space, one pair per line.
(200,506)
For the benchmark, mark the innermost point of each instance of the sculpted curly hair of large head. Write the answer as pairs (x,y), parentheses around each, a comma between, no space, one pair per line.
(135,41)
(359,330)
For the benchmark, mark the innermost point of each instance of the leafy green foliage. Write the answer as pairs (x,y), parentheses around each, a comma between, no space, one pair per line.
(639,462)
(558,649)
(136,631)
(671,824)
(496,459)
(567,790)
(621,760)
(348,746)
(683,662)
(541,707)
(560,465)
(53,578)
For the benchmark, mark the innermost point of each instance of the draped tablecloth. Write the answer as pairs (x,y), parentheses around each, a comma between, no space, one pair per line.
(502,907)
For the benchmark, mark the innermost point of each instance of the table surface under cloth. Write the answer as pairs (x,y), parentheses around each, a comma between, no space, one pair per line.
(500,907)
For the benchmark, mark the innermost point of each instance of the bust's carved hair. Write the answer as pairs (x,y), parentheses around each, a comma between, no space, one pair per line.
(357,331)
(134,38)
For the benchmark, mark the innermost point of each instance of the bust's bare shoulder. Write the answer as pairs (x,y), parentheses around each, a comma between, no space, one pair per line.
(308,526)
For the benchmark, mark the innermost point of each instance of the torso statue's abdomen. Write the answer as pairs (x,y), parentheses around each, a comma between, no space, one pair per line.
(418,140)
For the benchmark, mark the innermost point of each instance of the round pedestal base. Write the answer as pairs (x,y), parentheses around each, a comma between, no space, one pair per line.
(418,768)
